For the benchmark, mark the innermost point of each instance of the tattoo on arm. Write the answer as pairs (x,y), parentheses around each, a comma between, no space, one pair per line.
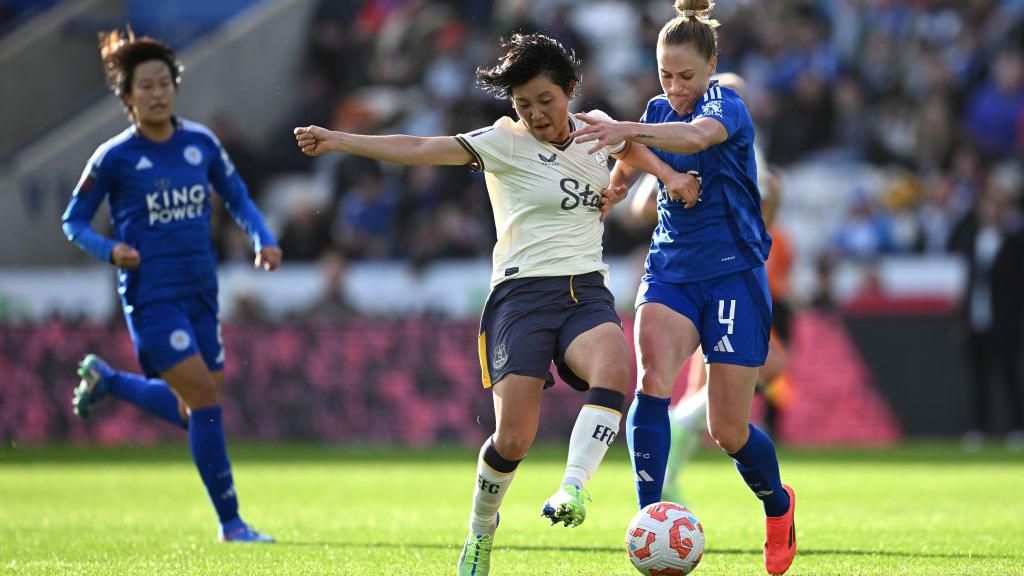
(643,136)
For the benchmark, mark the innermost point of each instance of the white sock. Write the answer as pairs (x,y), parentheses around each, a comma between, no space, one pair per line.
(490,490)
(692,412)
(595,430)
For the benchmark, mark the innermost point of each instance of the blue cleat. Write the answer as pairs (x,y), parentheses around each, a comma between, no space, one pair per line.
(238,531)
(94,372)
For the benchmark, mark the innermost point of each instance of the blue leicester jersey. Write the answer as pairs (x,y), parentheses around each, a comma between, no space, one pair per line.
(724,232)
(159,194)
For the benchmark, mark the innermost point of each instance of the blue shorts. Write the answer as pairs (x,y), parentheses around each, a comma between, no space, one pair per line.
(732,313)
(167,332)
(529,322)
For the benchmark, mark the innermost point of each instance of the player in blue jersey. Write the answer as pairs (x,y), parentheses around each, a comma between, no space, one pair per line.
(157,176)
(705,282)
(548,299)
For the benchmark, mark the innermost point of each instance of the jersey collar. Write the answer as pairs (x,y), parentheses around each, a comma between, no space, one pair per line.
(568,142)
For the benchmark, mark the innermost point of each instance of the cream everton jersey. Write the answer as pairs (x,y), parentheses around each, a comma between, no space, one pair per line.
(546,200)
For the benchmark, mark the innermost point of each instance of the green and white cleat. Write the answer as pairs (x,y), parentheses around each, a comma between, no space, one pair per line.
(93,371)
(475,559)
(681,449)
(567,506)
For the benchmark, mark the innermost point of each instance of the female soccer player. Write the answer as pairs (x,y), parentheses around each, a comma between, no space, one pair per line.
(158,175)
(705,281)
(548,298)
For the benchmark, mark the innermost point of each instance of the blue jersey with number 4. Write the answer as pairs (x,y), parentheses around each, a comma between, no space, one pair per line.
(724,232)
(159,194)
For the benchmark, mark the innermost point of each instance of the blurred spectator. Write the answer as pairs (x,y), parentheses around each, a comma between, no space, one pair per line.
(366,216)
(867,231)
(822,298)
(307,231)
(248,308)
(997,108)
(332,306)
(926,86)
(979,238)
(937,215)
(246,160)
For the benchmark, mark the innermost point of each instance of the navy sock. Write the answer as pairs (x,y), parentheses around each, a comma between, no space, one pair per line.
(152,395)
(648,436)
(210,453)
(759,467)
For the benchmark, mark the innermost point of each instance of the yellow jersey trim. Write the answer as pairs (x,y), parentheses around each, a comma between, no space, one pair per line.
(485,374)
(605,408)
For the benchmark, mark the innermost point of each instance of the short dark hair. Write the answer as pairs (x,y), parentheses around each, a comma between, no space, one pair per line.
(121,52)
(526,57)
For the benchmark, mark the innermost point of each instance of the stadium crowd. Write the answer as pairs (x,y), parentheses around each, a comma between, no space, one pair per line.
(930,93)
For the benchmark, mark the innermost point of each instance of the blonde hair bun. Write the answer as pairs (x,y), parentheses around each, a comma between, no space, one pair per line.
(694,8)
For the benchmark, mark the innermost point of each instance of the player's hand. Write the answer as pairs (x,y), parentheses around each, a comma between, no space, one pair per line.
(269,258)
(603,132)
(313,140)
(684,187)
(124,256)
(611,196)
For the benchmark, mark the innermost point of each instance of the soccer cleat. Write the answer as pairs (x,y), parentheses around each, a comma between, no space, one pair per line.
(681,449)
(243,533)
(475,559)
(780,538)
(93,371)
(567,506)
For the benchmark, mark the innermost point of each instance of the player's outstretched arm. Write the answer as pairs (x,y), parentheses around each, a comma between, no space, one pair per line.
(399,149)
(679,137)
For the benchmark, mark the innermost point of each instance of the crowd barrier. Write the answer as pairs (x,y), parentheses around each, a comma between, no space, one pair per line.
(411,381)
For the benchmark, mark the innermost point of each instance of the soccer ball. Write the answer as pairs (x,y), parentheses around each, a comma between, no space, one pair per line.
(665,539)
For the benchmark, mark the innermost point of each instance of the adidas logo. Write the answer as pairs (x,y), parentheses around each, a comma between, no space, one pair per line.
(724,345)
(143,164)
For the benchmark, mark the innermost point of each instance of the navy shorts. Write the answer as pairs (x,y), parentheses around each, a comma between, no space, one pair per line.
(167,332)
(529,322)
(732,313)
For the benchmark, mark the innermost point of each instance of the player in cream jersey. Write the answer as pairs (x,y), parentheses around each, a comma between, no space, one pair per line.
(546,200)
(548,300)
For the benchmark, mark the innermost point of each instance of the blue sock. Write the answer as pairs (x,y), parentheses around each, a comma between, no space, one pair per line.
(152,395)
(210,453)
(648,436)
(759,467)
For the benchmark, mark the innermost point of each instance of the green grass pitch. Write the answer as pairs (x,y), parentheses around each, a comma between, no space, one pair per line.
(917,510)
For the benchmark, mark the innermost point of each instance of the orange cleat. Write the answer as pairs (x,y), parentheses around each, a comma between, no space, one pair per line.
(780,539)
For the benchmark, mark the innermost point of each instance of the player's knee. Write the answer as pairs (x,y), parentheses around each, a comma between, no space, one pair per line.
(729,437)
(512,444)
(654,384)
(614,377)
(198,393)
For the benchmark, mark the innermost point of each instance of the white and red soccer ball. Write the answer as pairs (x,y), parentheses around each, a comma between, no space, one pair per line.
(665,539)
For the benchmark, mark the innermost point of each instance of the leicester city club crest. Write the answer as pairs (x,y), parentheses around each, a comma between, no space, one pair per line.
(193,156)
(180,340)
